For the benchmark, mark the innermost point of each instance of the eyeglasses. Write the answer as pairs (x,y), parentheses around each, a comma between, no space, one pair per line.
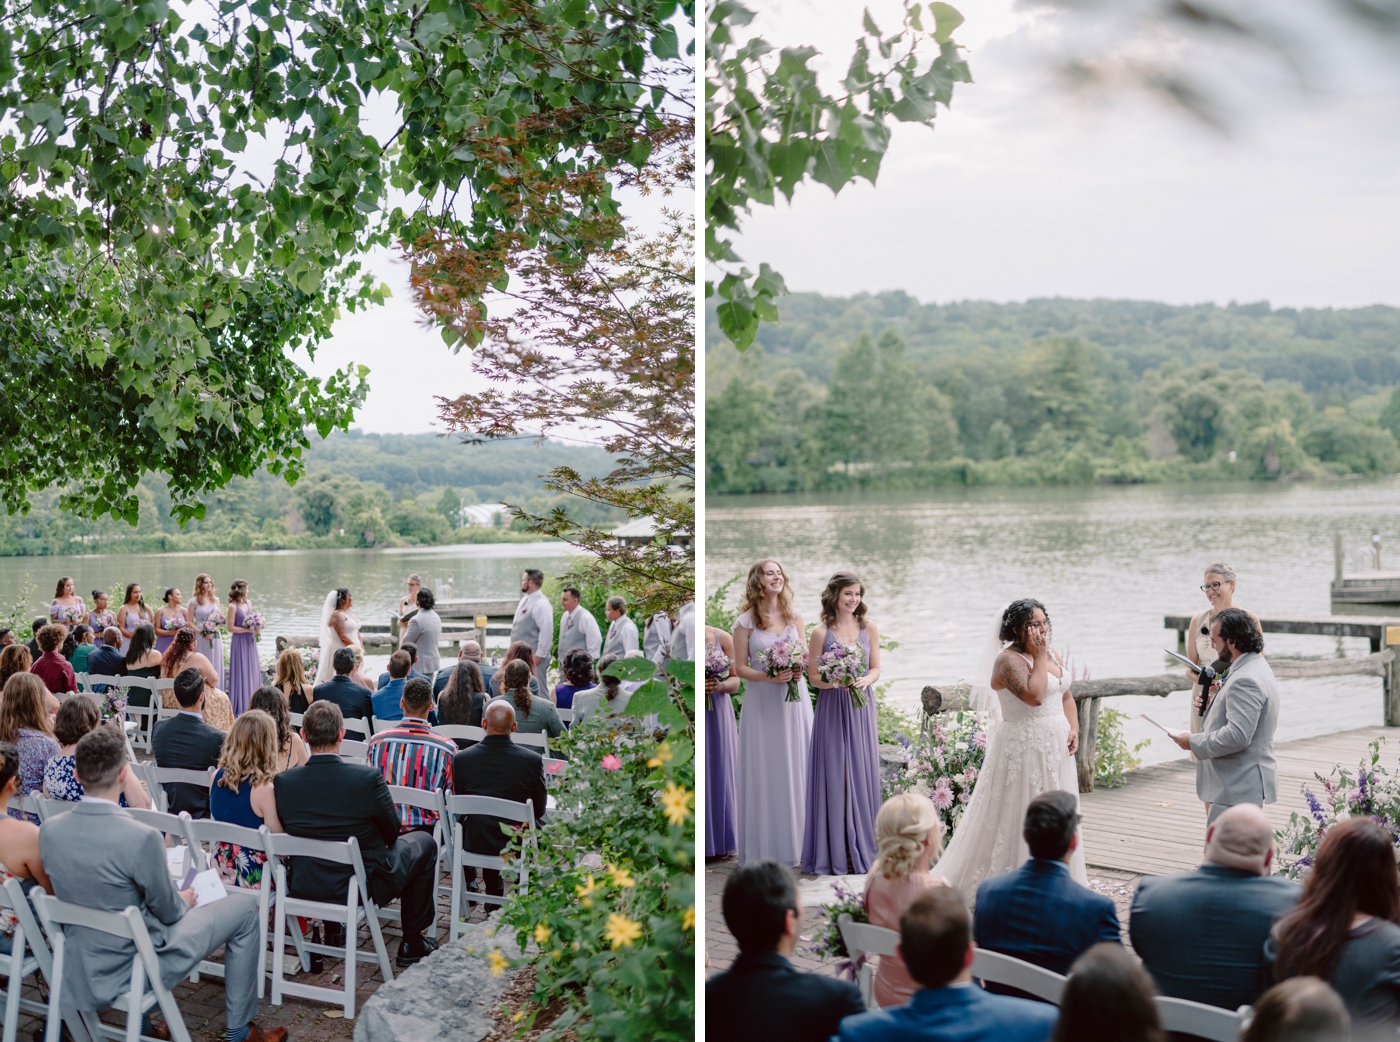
(1211,587)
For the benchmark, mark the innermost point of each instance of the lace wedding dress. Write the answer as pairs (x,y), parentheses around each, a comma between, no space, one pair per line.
(330,640)
(1027,754)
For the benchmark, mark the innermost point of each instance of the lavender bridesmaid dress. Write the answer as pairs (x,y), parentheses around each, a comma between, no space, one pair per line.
(775,743)
(168,622)
(721,754)
(213,650)
(843,788)
(244,670)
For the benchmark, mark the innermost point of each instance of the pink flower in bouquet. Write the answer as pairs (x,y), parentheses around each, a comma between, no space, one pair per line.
(942,795)
(981,739)
(611,762)
(717,665)
(785,653)
(841,667)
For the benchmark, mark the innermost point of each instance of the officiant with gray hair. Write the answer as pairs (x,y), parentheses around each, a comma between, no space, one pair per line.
(1235,747)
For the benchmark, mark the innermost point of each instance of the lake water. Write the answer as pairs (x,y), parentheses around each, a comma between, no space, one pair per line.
(289,586)
(1108,562)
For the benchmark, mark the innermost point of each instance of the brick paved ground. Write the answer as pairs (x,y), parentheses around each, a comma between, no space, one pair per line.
(202,1004)
(720,948)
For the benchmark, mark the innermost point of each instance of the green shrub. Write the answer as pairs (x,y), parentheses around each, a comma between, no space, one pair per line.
(1113,759)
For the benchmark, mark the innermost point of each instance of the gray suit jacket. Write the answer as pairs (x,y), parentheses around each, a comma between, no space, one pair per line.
(1235,747)
(99,856)
(425,631)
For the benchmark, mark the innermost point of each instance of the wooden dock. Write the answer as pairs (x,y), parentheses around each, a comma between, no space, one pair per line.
(1154,823)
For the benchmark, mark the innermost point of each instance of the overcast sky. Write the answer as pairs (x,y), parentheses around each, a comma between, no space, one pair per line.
(1024,191)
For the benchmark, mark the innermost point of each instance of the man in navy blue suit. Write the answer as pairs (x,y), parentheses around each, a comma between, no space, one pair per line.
(1038,913)
(935,942)
(762,997)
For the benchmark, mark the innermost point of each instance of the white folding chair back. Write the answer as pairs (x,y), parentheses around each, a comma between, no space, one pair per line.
(204,835)
(173,826)
(1017,973)
(538,740)
(554,769)
(21,963)
(566,715)
(1196,1018)
(358,725)
(167,714)
(295,719)
(430,800)
(464,731)
(160,777)
(52,808)
(359,904)
(354,752)
(87,681)
(383,725)
(870,940)
(28,805)
(461,857)
(145,717)
(146,990)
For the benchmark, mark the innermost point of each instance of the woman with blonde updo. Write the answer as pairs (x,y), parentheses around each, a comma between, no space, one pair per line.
(908,832)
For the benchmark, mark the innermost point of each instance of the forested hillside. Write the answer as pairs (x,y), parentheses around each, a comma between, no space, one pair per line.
(359,490)
(884,390)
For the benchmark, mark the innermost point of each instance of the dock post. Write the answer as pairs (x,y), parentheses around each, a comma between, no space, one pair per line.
(1390,684)
(1337,554)
(1181,642)
(1086,759)
(1376,546)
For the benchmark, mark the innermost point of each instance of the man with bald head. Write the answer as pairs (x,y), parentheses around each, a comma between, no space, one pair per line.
(496,766)
(471,652)
(1201,934)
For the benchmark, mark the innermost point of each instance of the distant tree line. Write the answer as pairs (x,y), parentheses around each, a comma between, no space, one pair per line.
(881,390)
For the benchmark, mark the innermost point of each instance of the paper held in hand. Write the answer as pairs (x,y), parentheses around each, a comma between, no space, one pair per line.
(208,888)
(1154,723)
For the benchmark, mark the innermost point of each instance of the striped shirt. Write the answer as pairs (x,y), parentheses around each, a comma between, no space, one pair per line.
(412,754)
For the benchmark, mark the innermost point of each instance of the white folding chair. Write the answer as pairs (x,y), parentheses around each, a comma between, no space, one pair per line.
(28,805)
(146,991)
(84,685)
(1196,1018)
(51,808)
(566,715)
(295,719)
(538,741)
(1017,973)
(167,714)
(145,718)
(160,777)
(204,834)
(359,905)
(88,681)
(28,955)
(354,752)
(554,769)
(383,725)
(358,725)
(471,734)
(863,938)
(431,800)
(461,857)
(173,826)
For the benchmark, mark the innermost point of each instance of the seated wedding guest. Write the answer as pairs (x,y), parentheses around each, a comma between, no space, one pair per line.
(622,631)
(352,699)
(1201,934)
(463,699)
(608,698)
(411,650)
(7,636)
(533,714)
(51,667)
(524,653)
(496,766)
(106,661)
(291,750)
(471,652)
(14,659)
(33,645)
(398,866)
(24,723)
(187,742)
(1344,928)
(1108,998)
(386,699)
(76,717)
(425,634)
(907,832)
(1301,1009)
(242,793)
(412,754)
(19,845)
(82,649)
(1038,913)
(762,997)
(142,658)
(290,679)
(182,656)
(935,942)
(100,857)
(577,675)
(357,674)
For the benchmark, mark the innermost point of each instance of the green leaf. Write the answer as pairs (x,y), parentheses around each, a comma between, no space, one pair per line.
(235,141)
(682,671)
(869,24)
(651,697)
(631,669)
(947,19)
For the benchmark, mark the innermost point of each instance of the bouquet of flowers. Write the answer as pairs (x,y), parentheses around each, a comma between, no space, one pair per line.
(786,653)
(717,665)
(113,702)
(945,766)
(255,621)
(842,666)
(1370,792)
(71,614)
(212,625)
(827,942)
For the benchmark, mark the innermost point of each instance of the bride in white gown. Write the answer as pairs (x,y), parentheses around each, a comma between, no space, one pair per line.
(1032,734)
(339,629)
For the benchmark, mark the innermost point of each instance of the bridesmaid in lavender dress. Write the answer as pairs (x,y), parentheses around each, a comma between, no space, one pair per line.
(205,603)
(169,619)
(843,787)
(775,735)
(244,671)
(721,753)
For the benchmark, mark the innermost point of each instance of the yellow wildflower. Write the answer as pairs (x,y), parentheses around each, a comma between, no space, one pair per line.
(621,930)
(621,877)
(677,803)
(541,934)
(688,919)
(663,755)
(497,962)
(517,1016)
(584,891)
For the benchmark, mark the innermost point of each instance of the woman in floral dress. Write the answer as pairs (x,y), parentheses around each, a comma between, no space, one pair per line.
(242,793)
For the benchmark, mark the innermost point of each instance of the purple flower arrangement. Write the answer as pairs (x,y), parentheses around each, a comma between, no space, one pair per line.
(945,767)
(255,622)
(212,625)
(784,654)
(841,667)
(717,665)
(827,942)
(1371,793)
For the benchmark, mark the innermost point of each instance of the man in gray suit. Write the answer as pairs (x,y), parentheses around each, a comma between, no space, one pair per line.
(1235,746)
(425,633)
(100,857)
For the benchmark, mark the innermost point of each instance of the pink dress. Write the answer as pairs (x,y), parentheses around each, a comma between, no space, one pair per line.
(885,902)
